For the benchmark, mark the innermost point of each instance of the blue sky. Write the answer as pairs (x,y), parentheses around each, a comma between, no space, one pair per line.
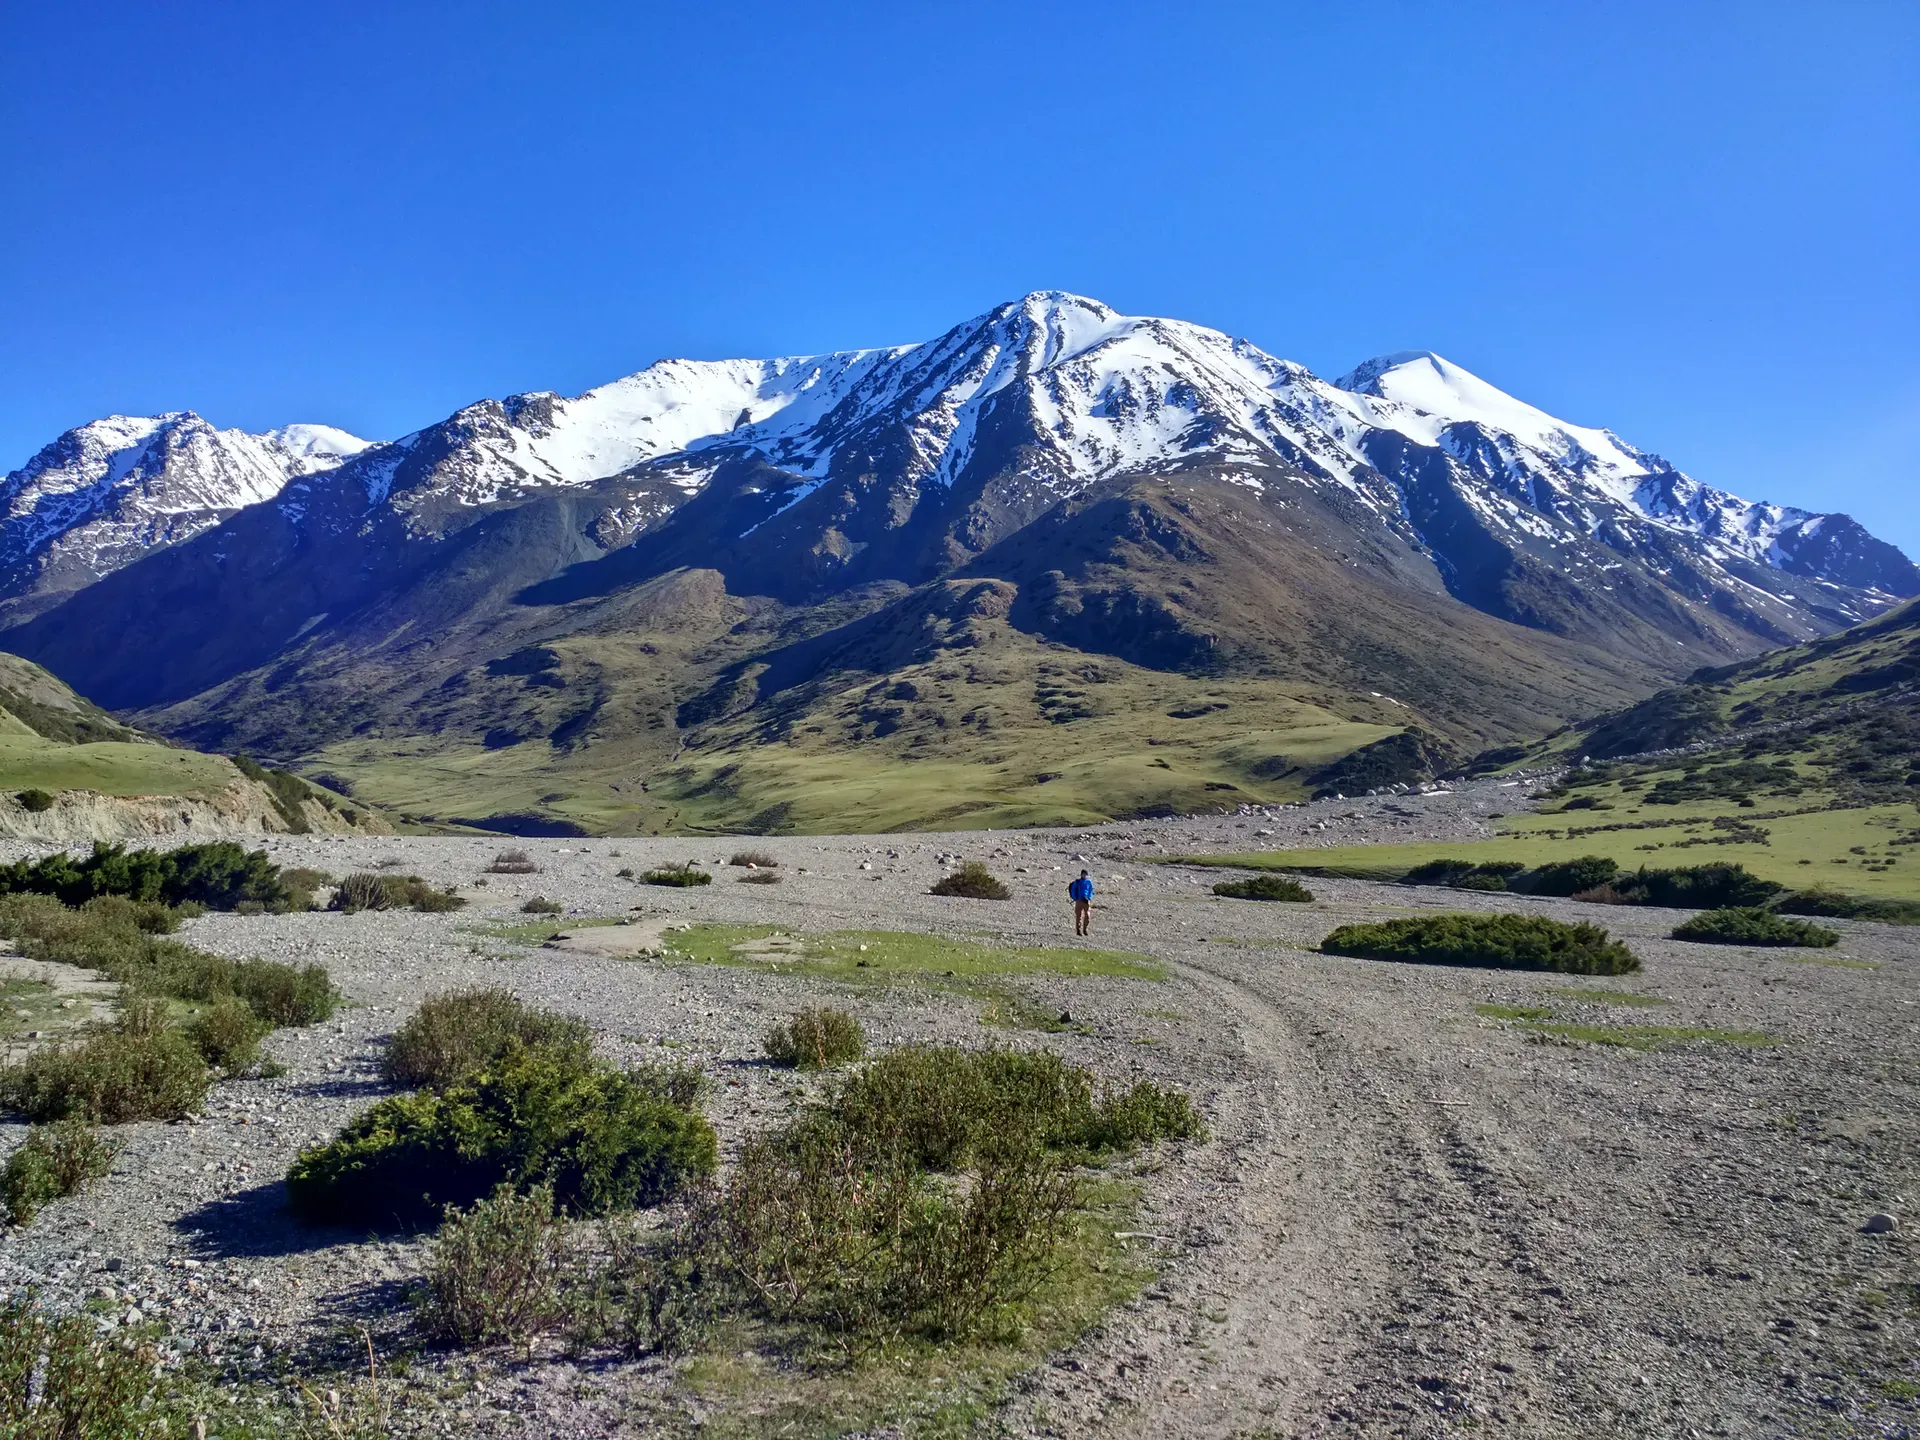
(1696,224)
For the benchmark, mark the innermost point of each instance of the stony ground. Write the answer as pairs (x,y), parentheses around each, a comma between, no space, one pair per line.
(1411,1218)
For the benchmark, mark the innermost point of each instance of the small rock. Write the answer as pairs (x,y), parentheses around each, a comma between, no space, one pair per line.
(1882,1224)
(114,1265)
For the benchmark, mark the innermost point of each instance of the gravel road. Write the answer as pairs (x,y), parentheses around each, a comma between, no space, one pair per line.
(1411,1218)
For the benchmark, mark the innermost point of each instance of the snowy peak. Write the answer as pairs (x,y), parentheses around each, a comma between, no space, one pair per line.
(107,492)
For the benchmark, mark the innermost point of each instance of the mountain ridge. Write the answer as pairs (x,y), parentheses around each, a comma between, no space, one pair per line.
(1154,497)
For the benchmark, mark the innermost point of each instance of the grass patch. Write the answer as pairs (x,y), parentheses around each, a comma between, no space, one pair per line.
(1645,1037)
(1501,942)
(28,1005)
(880,957)
(817,1039)
(1264,887)
(1609,997)
(1751,926)
(538,932)
(1514,1012)
(604,1139)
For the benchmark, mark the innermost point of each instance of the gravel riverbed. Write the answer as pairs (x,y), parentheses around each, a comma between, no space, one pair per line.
(1411,1218)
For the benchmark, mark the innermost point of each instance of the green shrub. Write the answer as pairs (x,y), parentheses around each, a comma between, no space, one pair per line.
(603,1140)
(228,1034)
(1264,887)
(495,1271)
(61,1380)
(681,875)
(1502,942)
(283,994)
(817,1040)
(455,1035)
(55,1161)
(218,875)
(840,1220)
(139,1070)
(757,858)
(540,905)
(367,891)
(1464,874)
(1697,887)
(972,881)
(35,802)
(1824,900)
(1570,877)
(1748,925)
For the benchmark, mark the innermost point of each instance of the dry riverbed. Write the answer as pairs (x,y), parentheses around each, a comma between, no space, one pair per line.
(1432,1200)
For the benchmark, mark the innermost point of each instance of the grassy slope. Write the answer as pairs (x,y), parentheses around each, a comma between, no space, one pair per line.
(989,721)
(51,739)
(1850,742)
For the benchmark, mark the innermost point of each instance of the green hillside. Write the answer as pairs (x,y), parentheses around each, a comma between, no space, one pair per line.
(1808,772)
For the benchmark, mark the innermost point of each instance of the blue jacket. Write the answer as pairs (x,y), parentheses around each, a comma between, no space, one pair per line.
(1081,889)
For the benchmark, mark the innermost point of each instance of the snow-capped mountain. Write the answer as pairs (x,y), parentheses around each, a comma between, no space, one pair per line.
(1142,487)
(1030,403)
(106,493)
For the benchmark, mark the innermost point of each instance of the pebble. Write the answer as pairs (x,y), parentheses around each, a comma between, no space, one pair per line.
(1881,1224)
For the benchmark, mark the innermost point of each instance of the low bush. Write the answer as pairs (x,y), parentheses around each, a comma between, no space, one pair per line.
(760,877)
(817,1040)
(841,1219)
(758,858)
(60,1379)
(603,1140)
(1698,887)
(301,884)
(368,891)
(455,1035)
(1464,874)
(1570,877)
(228,1034)
(139,1070)
(682,875)
(972,881)
(496,1271)
(1501,942)
(54,1162)
(1749,925)
(1264,887)
(540,905)
(512,862)
(35,802)
(219,875)
(1824,900)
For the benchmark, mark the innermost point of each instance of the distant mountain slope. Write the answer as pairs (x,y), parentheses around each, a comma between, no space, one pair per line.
(696,559)
(1849,704)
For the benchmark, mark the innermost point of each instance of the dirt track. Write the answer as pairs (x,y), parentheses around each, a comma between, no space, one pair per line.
(1410,1219)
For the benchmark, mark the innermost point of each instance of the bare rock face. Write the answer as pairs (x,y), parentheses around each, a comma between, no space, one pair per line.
(241,809)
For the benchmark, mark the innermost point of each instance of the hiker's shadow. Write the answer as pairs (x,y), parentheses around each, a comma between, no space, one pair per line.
(257,1222)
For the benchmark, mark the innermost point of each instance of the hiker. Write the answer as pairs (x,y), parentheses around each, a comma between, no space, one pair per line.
(1081,893)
